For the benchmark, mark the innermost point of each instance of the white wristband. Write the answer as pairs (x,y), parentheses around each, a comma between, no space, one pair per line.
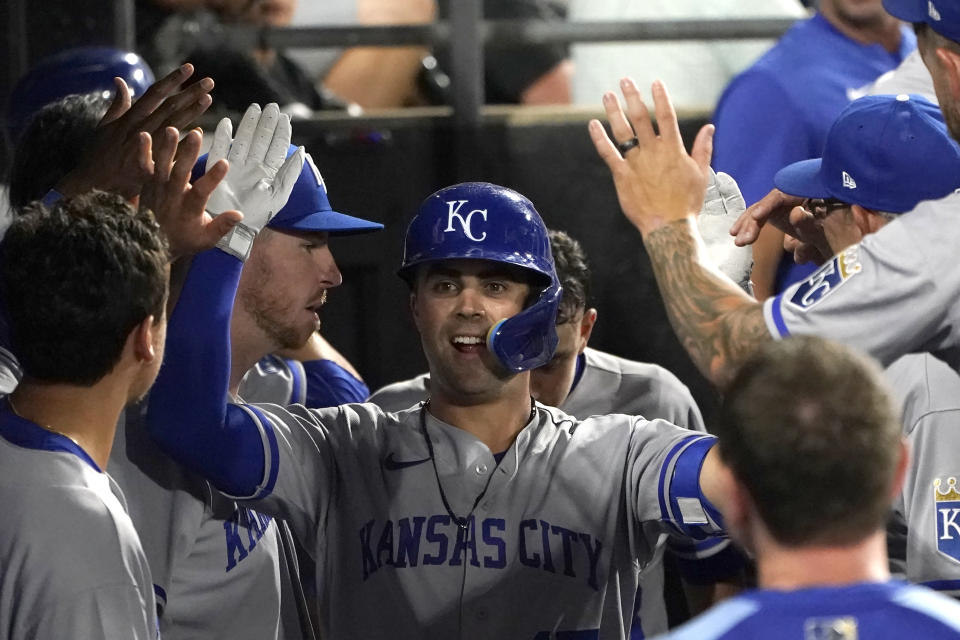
(238,241)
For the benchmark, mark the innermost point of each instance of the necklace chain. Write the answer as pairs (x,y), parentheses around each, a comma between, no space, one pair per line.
(464,522)
(42,426)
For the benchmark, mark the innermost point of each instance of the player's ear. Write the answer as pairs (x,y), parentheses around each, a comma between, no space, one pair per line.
(586,327)
(143,340)
(950,61)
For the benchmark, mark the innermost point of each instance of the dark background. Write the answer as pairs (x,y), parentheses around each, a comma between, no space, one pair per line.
(381,168)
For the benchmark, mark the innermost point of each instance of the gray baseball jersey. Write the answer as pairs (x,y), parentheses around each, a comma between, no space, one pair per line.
(554,536)
(71,565)
(217,566)
(929,504)
(896,292)
(277,380)
(608,385)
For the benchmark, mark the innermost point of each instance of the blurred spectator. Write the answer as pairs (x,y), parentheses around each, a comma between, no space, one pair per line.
(779,110)
(523,74)
(181,30)
(373,77)
(696,72)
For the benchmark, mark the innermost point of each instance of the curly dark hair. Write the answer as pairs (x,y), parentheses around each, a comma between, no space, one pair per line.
(76,280)
(573,271)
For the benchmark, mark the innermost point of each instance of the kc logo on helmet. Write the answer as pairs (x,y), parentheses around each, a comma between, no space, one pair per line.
(466,223)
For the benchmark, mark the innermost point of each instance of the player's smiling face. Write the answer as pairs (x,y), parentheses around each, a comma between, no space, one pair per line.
(454,304)
(284,284)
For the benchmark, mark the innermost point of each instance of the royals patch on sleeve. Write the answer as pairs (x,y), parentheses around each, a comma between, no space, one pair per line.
(946,500)
(827,278)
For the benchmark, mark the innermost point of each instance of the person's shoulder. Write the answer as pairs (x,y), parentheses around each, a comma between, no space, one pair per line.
(75,527)
(633,385)
(403,394)
(719,622)
(943,612)
(607,362)
(923,384)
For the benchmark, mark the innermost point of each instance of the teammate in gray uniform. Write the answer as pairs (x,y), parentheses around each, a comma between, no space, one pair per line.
(211,557)
(85,286)
(897,133)
(482,514)
(903,276)
(585,382)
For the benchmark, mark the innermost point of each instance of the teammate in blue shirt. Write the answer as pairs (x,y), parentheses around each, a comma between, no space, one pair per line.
(779,110)
(812,456)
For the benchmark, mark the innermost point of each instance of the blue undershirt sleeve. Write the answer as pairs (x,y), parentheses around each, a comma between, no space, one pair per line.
(759,131)
(329,385)
(189,415)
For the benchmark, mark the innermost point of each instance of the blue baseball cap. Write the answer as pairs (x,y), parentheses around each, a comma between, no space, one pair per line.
(308,208)
(943,16)
(885,153)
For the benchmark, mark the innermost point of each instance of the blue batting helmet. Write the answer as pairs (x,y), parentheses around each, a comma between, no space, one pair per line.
(479,220)
(80,70)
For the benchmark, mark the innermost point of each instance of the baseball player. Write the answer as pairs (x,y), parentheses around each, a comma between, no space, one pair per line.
(897,269)
(810,497)
(479,514)
(112,158)
(212,557)
(585,382)
(897,133)
(84,287)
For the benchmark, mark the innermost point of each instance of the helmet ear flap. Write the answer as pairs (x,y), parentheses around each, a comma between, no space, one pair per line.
(528,339)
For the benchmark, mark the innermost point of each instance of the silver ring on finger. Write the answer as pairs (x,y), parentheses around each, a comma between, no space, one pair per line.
(623,147)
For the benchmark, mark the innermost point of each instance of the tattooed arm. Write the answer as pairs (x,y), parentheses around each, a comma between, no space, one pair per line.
(661,188)
(716,322)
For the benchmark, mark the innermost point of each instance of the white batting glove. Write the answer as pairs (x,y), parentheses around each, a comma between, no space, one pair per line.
(724,204)
(260,177)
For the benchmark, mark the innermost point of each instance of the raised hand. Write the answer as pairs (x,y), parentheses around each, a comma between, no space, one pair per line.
(178,206)
(119,159)
(657,182)
(261,176)
(723,203)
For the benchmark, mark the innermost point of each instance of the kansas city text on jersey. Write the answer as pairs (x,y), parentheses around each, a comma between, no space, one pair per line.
(490,543)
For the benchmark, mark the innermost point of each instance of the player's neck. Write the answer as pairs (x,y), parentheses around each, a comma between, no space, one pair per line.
(86,415)
(780,567)
(495,422)
(884,31)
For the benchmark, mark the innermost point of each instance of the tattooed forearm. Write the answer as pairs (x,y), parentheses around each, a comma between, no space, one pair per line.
(717,323)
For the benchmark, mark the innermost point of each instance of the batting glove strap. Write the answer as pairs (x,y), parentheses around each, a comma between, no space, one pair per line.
(238,241)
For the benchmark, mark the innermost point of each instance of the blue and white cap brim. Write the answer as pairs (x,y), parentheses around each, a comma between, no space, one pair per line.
(332,222)
(803,179)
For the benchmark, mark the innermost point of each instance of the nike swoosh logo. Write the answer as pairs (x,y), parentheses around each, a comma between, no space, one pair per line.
(392,464)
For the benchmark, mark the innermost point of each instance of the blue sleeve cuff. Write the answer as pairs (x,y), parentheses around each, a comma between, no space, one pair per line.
(682,503)
(776,312)
(330,385)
